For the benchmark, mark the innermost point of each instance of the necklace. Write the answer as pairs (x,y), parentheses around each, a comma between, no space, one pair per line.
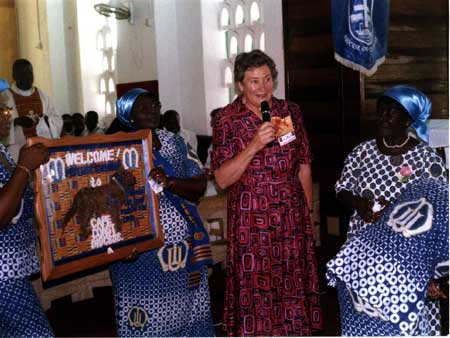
(395,145)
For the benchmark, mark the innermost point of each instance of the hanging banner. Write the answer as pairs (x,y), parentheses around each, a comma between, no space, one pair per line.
(360,31)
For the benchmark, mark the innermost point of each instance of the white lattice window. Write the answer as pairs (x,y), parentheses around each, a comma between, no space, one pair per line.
(242,23)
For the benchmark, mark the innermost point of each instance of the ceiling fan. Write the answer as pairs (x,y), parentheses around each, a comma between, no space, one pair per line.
(116,10)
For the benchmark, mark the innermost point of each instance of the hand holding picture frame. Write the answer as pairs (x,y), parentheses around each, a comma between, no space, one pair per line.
(93,201)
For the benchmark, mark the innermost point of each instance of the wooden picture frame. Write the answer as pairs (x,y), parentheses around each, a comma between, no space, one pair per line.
(93,202)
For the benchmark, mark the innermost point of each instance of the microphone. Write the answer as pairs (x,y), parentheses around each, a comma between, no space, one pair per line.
(265,111)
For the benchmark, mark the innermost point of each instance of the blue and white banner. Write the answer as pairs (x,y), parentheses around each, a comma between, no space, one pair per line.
(360,31)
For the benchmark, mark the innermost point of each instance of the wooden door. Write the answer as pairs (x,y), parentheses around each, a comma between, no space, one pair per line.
(417,55)
(8,38)
(328,93)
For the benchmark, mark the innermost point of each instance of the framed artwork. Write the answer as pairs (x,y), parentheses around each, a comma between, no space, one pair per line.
(93,202)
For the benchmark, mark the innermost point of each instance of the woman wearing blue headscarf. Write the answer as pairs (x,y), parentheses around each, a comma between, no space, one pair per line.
(164,292)
(21,313)
(377,171)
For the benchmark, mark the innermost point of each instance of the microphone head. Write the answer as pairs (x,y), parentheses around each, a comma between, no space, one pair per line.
(265,111)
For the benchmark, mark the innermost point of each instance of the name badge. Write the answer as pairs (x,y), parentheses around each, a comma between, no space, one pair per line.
(284,129)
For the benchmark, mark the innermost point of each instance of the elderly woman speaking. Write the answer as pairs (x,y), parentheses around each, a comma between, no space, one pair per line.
(272,287)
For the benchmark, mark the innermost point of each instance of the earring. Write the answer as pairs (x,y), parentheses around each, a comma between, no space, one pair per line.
(132,121)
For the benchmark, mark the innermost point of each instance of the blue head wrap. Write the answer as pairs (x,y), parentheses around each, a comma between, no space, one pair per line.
(416,103)
(124,106)
(3,85)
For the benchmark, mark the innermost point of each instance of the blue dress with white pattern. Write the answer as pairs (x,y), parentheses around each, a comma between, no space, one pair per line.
(382,272)
(369,173)
(21,313)
(150,301)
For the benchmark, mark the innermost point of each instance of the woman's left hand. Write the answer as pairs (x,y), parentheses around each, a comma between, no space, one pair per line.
(376,213)
(364,208)
(158,175)
(434,291)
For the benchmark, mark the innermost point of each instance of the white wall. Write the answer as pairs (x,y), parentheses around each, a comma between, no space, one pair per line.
(179,56)
(177,42)
(97,37)
(89,53)
(273,27)
(189,52)
(214,39)
(64,56)
(57,54)
(136,52)
(72,51)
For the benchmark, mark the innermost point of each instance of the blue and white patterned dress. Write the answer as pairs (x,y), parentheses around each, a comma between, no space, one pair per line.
(148,300)
(369,173)
(383,271)
(21,314)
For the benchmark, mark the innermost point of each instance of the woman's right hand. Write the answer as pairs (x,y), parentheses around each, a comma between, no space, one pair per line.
(364,209)
(264,135)
(31,157)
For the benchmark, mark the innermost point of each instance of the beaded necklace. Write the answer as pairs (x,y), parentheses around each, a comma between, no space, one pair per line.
(396,145)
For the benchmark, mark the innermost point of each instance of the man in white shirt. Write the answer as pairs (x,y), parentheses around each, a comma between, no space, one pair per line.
(33,112)
(170,121)
(91,121)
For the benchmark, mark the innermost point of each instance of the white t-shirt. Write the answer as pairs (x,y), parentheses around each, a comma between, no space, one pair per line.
(190,137)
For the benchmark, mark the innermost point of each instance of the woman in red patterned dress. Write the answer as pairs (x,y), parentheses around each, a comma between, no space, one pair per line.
(272,287)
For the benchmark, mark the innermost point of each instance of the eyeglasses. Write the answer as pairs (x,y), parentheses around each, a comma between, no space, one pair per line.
(5,113)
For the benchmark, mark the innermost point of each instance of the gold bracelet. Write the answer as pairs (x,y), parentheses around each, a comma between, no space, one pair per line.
(24,169)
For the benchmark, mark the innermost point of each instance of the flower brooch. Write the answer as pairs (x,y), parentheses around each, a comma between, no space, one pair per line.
(404,174)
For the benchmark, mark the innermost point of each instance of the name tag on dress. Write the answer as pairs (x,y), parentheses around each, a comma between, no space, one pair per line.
(284,130)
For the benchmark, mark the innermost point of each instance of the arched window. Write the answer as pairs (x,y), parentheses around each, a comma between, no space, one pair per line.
(225,18)
(234,48)
(228,77)
(248,43)
(105,62)
(108,107)
(111,85)
(261,42)
(102,85)
(242,23)
(254,12)
(239,15)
